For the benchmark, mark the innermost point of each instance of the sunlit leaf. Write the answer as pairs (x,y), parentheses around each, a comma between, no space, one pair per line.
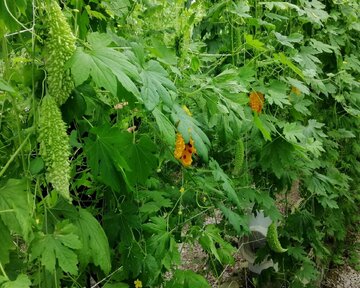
(21,281)
(277,93)
(166,128)
(57,248)
(254,43)
(264,131)
(105,65)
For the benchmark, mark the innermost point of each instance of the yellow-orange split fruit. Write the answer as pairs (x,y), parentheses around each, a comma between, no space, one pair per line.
(256,101)
(183,151)
(179,146)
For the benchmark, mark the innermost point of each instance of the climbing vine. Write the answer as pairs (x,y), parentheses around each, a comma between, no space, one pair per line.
(130,129)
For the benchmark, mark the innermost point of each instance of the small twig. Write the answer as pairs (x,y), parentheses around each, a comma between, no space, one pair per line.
(19,32)
(107,277)
(7,211)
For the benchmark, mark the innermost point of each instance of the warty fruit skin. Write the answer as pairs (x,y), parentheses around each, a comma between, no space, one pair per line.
(54,146)
(60,47)
(239,157)
(273,239)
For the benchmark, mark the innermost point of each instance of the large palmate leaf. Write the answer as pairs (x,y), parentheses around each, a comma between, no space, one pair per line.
(277,93)
(162,244)
(277,157)
(57,248)
(289,40)
(214,244)
(15,207)
(156,85)
(105,65)
(140,158)
(239,222)
(104,154)
(95,245)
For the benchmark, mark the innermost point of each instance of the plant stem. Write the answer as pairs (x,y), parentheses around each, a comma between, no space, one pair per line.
(14,155)
(3,271)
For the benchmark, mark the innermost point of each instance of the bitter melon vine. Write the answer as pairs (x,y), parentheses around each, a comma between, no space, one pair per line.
(273,239)
(54,146)
(60,46)
(239,157)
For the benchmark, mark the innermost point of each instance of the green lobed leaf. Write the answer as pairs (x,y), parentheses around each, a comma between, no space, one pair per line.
(277,93)
(214,244)
(15,207)
(104,154)
(157,225)
(5,86)
(225,182)
(187,279)
(119,8)
(280,5)
(288,40)
(156,85)
(36,165)
(21,281)
(166,128)
(57,248)
(172,257)
(277,157)
(157,200)
(6,243)
(95,245)
(162,244)
(263,129)
(286,61)
(294,132)
(239,222)
(105,65)
(321,46)
(299,85)
(254,43)
(307,59)
(151,269)
(140,158)
(119,65)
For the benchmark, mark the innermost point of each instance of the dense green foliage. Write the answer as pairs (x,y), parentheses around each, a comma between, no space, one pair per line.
(143,71)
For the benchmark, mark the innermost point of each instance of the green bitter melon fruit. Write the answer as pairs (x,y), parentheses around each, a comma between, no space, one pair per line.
(239,157)
(54,146)
(60,47)
(273,239)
